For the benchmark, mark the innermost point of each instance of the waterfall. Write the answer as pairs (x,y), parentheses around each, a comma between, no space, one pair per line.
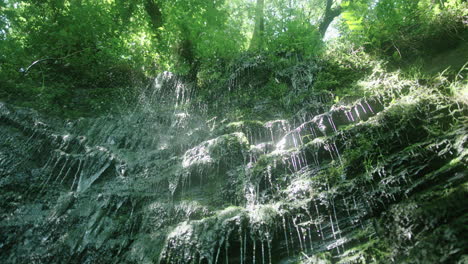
(168,182)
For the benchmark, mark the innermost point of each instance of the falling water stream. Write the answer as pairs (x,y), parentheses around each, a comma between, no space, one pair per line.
(166,183)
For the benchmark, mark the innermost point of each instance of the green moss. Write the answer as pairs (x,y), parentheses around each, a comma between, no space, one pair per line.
(248,127)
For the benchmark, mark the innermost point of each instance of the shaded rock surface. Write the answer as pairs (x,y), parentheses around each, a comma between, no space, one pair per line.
(380,179)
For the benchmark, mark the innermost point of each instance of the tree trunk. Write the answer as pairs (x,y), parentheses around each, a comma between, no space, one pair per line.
(154,12)
(186,53)
(330,14)
(258,36)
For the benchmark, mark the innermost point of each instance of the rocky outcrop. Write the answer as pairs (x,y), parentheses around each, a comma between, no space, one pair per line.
(371,180)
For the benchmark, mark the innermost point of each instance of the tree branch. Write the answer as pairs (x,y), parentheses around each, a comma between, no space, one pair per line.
(25,71)
(330,14)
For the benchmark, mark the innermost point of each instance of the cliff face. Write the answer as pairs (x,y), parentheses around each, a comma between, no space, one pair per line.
(373,180)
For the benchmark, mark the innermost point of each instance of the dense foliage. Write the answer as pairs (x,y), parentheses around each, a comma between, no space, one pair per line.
(407,28)
(65,56)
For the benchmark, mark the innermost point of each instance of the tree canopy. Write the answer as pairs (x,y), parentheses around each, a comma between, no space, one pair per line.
(99,45)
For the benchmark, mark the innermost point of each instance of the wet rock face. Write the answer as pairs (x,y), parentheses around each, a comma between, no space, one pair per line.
(365,182)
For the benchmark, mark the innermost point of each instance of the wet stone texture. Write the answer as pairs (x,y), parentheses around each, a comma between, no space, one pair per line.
(370,181)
